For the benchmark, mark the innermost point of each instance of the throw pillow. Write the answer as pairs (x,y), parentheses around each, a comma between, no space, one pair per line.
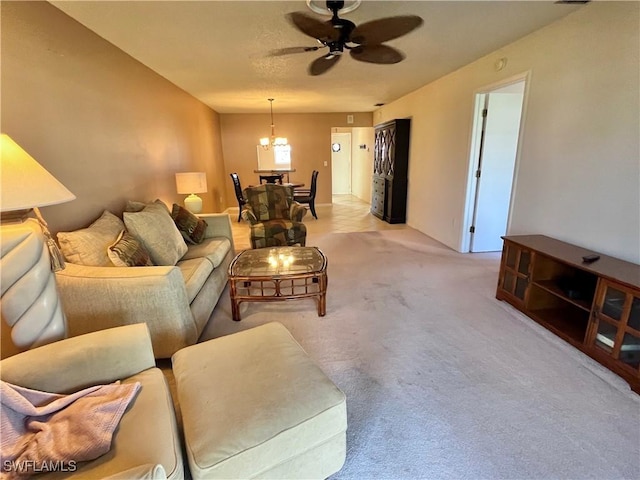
(191,227)
(154,227)
(127,251)
(88,246)
(133,206)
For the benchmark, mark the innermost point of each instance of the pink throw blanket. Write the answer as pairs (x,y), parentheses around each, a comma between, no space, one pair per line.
(43,431)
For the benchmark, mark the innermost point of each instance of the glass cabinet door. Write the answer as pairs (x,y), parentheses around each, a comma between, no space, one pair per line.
(517,263)
(617,324)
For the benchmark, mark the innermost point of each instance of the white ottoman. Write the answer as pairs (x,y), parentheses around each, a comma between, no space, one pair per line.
(254,405)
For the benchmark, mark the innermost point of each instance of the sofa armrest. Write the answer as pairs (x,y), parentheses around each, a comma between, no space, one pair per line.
(95,298)
(248,215)
(218,225)
(297,211)
(75,363)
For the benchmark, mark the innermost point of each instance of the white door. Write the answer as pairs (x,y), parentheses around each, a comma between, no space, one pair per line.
(341,163)
(496,163)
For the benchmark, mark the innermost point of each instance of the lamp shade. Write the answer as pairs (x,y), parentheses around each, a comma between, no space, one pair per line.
(191,182)
(24,182)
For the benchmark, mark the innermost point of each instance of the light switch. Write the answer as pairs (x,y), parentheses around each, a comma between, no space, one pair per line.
(349,119)
(325,163)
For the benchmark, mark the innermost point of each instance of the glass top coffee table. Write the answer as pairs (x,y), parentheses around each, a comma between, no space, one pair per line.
(276,274)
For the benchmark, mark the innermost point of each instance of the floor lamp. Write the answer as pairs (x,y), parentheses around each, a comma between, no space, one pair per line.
(31,311)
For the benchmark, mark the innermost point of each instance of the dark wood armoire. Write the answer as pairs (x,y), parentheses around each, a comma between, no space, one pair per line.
(390,170)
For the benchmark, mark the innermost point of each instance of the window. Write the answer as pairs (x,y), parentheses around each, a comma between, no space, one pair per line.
(274,158)
(282,156)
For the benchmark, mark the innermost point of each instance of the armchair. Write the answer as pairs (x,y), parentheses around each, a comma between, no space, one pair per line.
(275,218)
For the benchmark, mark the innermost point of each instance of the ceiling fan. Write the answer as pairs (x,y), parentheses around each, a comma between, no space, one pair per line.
(364,43)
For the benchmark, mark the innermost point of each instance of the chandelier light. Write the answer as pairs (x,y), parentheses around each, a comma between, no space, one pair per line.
(272,141)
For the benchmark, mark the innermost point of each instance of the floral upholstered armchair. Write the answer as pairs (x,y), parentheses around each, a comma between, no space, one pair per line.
(275,218)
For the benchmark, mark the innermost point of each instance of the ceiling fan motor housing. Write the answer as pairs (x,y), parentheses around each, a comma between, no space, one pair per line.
(334,6)
(344,29)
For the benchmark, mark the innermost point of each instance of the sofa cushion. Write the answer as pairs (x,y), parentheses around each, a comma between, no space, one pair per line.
(214,249)
(147,434)
(127,251)
(191,227)
(155,228)
(195,272)
(89,246)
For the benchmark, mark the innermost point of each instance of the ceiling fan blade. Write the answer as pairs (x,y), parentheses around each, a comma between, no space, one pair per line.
(292,50)
(382,54)
(382,30)
(323,31)
(322,64)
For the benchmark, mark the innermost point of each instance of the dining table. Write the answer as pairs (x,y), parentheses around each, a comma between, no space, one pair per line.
(286,184)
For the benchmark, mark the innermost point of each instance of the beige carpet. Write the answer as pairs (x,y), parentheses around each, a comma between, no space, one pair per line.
(444,381)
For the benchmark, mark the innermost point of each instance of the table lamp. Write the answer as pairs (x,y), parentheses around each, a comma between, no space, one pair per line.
(30,306)
(190,183)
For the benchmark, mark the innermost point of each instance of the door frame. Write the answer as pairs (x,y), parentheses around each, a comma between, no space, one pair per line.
(474,151)
(350,157)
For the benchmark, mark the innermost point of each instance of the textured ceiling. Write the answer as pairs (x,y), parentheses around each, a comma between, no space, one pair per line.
(219,50)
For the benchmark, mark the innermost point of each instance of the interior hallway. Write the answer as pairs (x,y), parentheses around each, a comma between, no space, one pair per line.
(346,214)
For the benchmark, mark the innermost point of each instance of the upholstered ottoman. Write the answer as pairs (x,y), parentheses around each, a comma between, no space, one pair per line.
(254,405)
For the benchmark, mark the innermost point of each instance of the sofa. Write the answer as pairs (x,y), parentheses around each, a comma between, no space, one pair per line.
(162,278)
(146,443)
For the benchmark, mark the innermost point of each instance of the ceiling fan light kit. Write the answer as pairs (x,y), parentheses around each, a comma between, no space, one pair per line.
(365,42)
(322,6)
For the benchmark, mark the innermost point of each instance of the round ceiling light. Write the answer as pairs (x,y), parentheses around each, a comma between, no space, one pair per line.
(320,6)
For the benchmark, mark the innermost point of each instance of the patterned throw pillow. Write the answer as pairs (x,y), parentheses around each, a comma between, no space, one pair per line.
(191,227)
(127,251)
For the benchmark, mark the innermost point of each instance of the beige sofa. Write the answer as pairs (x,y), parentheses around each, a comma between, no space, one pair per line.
(146,444)
(175,301)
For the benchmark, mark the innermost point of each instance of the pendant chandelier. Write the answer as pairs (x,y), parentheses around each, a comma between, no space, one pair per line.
(272,141)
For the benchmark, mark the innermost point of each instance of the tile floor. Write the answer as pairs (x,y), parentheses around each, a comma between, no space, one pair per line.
(346,214)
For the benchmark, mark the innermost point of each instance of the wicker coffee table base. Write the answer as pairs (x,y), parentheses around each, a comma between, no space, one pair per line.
(278,288)
(276,274)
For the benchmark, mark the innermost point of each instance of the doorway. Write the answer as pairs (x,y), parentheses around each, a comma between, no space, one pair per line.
(496,133)
(341,163)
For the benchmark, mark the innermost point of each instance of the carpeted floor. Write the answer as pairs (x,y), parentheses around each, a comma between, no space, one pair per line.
(444,381)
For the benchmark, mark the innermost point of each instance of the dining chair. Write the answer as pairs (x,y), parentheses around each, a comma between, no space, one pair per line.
(239,195)
(308,196)
(274,178)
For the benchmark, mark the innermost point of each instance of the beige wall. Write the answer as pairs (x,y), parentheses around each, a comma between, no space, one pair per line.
(106,126)
(577,176)
(362,162)
(308,133)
